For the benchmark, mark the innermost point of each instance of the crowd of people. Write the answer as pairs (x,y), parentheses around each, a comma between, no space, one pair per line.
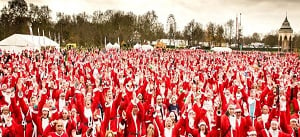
(177,93)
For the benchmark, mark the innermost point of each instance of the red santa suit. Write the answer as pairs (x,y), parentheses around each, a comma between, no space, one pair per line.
(134,121)
(274,133)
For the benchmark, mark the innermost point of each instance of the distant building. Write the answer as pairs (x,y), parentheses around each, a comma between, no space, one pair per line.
(285,36)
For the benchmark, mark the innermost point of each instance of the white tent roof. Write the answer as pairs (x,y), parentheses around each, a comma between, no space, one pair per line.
(19,42)
(110,46)
(116,46)
(221,49)
(137,46)
(147,47)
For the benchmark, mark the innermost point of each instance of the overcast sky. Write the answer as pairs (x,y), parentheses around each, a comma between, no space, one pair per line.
(262,16)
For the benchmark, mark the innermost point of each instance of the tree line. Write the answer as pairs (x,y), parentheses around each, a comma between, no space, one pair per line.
(93,30)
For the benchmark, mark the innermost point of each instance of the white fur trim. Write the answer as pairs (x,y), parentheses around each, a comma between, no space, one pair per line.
(9,124)
(132,101)
(293,119)
(121,126)
(238,110)
(251,132)
(96,89)
(202,123)
(45,108)
(275,122)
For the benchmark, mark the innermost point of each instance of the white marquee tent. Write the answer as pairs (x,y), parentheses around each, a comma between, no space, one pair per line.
(221,49)
(116,46)
(137,46)
(110,46)
(147,47)
(19,42)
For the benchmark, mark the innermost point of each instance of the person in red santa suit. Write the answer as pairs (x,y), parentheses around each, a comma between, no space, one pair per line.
(7,125)
(264,120)
(62,102)
(34,105)
(135,116)
(229,122)
(291,128)
(114,107)
(161,108)
(169,125)
(60,131)
(84,106)
(296,103)
(243,122)
(274,131)
(152,120)
(69,124)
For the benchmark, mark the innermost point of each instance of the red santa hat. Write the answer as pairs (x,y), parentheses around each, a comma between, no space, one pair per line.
(231,105)
(46,107)
(4,107)
(202,122)
(238,108)
(294,117)
(251,131)
(275,121)
(65,109)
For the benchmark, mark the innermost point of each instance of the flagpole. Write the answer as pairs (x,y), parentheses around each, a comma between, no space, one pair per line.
(105,41)
(44,37)
(39,36)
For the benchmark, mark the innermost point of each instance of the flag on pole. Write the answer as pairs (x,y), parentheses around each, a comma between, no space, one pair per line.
(30,28)
(44,36)
(39,35)
(59,38)
(55,37)
(38,31)
(105,41)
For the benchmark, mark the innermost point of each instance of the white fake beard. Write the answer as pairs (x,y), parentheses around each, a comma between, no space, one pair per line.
(5,116)
(7,98)
(202,134)
(121,81)
(265,117)
(87,112)
(208,103)
(274,133)
(191,122)
(232,121)
(62,104)
(251,100)
(137,79)
(162,90)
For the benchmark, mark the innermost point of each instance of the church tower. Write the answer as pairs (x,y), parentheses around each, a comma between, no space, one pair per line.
(285,36)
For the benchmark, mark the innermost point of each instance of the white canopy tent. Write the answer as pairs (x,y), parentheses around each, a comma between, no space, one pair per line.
(147,47)
(116,46)
(137,46)
(19,42)
(108,46)
(221,49)
(111,46)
